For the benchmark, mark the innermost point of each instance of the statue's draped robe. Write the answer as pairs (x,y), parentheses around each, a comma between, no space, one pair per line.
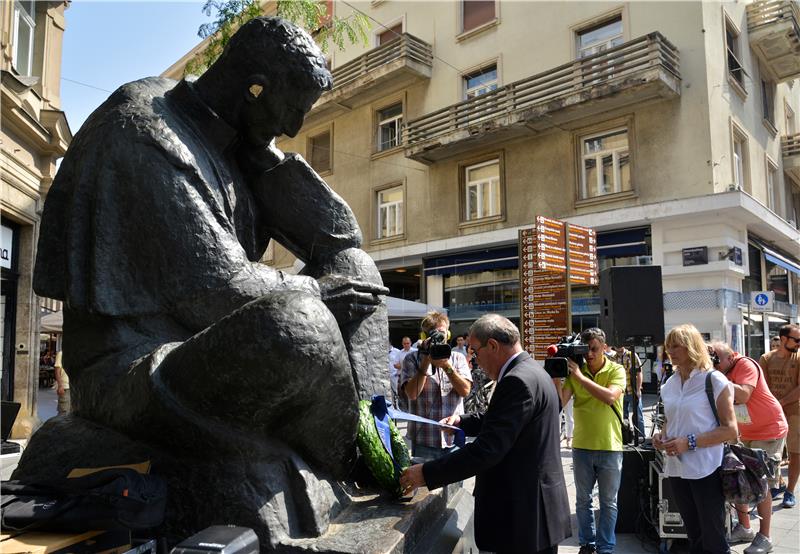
(151,235)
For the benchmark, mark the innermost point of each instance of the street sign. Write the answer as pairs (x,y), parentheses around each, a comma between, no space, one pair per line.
(549,252)
(762,301)
(583,264)
(543,287)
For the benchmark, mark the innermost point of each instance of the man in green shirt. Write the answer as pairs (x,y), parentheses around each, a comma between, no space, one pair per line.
(597,387)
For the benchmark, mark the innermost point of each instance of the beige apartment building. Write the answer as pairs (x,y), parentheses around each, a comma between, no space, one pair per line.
(33,134)
(668,127)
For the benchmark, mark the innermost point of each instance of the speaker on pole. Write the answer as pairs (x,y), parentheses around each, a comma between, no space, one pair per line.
(632,305)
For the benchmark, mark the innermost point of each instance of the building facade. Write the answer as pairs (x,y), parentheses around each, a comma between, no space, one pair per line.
(34,134)
(670,128)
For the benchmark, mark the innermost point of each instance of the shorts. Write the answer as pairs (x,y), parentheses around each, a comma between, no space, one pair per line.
(793,438)
(774,450)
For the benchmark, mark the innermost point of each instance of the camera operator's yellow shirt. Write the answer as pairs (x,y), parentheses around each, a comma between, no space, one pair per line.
(596,425)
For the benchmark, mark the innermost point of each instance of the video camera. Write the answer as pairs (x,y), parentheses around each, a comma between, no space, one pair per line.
(435,346)
(570,347)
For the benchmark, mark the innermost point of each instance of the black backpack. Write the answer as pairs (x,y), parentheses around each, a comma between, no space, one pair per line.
(111,498)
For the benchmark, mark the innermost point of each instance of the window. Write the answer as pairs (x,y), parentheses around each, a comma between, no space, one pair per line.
(390,121)
(735,69)
(480,82)
(320,148)
(792,204)
(768,102)
(606,164)
(390,212)
(390,34)
(476,13)
(599,38)
(24,24)
(482,190)
(740,163)
(773,191)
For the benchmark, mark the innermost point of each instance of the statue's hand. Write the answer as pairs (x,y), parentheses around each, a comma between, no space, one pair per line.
(350,299)
(260,158)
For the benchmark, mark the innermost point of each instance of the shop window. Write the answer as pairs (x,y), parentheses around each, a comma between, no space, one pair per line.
(741,166)
(732,48)
(390,212)
(482,194)
(390,121)
(605,164)
(470,294)
(24,26)
(600,37)
(476,13)
(319,147)
(752,282)
(778,281)
(390,33)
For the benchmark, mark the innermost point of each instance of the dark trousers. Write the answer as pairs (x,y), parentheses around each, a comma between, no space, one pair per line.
(549,550)
(702,508)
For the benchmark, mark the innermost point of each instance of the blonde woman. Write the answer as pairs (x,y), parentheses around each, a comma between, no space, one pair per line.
(693,441)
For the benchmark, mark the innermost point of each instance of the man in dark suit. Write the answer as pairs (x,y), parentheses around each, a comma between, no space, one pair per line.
(520,496)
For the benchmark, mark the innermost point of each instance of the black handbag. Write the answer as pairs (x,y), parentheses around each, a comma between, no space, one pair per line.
(107,499)
(744,471)
(627,430)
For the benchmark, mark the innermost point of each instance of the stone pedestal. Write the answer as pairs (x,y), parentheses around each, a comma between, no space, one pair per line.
(374,524)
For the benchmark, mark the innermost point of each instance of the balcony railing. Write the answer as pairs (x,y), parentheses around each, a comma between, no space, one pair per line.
(791,156)
(774,30)
(381,71)
(772,11)
(635,63)
(403,47)
(791,145)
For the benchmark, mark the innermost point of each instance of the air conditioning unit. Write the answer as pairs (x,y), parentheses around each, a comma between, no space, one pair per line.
(732,187)
(644,260)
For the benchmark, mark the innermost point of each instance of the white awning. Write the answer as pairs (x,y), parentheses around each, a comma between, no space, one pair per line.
(52,323)
(406,309)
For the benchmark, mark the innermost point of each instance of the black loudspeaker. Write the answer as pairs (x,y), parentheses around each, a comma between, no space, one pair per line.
(633,497)
(632,305)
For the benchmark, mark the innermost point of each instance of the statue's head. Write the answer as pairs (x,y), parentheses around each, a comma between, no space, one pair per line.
(277,72)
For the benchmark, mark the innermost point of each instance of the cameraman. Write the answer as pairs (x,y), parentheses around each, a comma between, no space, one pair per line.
(597,444)
(435,388)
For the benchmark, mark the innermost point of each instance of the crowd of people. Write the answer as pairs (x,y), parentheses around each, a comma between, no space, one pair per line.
(712,396)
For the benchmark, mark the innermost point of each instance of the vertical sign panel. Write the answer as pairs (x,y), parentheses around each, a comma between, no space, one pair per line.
(543,284)
(583,266)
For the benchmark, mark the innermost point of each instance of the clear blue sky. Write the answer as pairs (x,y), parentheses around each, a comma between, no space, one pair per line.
(107,44)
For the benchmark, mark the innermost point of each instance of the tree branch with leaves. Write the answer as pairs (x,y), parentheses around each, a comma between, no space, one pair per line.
(312,15)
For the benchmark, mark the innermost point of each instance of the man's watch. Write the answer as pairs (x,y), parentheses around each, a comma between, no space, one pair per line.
(448,369)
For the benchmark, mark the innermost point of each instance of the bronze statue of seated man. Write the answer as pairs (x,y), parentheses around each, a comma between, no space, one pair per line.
(240,382)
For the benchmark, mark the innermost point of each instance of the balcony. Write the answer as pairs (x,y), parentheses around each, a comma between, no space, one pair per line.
(791,155)
(637,71)
(775,37)
(381,71)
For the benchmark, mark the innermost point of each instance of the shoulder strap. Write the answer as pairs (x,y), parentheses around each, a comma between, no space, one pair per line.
(614,408)
(710,394)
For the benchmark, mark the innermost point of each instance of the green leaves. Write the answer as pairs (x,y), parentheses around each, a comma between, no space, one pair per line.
(312,15)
